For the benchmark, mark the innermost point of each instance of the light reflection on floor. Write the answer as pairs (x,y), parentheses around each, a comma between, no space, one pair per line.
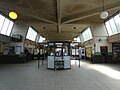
(109,71)
(76,62)
(106,70)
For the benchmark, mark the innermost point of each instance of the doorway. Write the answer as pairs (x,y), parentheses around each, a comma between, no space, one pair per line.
(104,52)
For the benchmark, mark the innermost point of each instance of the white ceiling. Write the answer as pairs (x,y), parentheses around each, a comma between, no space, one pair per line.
(56,19)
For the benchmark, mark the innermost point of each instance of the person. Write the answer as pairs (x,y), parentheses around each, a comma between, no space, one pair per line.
(57,53)
(27,54)
(104,55)
(79,56)
(92,58)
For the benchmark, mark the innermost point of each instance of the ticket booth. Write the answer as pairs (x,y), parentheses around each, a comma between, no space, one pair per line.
(58,55)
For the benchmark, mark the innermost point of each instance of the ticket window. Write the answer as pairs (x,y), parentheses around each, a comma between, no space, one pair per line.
(58,51)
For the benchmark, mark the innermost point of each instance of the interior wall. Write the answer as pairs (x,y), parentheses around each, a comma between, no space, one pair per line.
(20,28)
(89,43)
(114,38)
(2,45)
(99,29)
(100,37)
(4,38)
(97,46)
(18,44)
(4,41)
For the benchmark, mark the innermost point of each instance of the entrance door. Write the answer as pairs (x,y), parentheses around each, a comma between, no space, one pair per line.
(104,52)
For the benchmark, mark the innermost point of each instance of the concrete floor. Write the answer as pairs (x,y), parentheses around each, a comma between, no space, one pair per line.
(88,77)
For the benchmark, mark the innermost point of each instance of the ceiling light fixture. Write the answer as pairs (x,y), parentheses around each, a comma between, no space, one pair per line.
(13,15)
(44,27)
(74,27)
(104,14)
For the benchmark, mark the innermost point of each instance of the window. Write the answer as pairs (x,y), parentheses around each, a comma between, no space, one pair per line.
(5,26)
(113,25)
(41,39)
(31,34)
(78,39)
(28,33)
(117,22)
(9,28)
(2,18)
(84,34)
(108,28)
(87,35)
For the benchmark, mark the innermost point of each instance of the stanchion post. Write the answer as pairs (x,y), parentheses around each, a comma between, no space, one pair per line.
(38,63)
(79,63)
(42,61)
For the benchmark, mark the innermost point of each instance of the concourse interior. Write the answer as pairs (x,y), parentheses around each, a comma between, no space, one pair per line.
(88,77)
(60,45)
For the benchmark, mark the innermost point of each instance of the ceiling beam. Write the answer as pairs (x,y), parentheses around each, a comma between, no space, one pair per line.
(58,29)
(58,16)
(78,16)
(57,38)
(58,12)
(49,21)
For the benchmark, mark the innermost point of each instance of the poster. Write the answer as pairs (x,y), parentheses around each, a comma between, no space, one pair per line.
(5,50)
(18,49)
(88,52)
(82,51)
(116,51)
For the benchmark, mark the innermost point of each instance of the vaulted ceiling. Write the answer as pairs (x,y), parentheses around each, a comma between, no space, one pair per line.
(59,19)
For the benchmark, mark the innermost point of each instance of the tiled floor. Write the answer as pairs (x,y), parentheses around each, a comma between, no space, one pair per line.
(87,77)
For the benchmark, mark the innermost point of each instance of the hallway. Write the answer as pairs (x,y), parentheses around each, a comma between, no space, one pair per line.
(88,77)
